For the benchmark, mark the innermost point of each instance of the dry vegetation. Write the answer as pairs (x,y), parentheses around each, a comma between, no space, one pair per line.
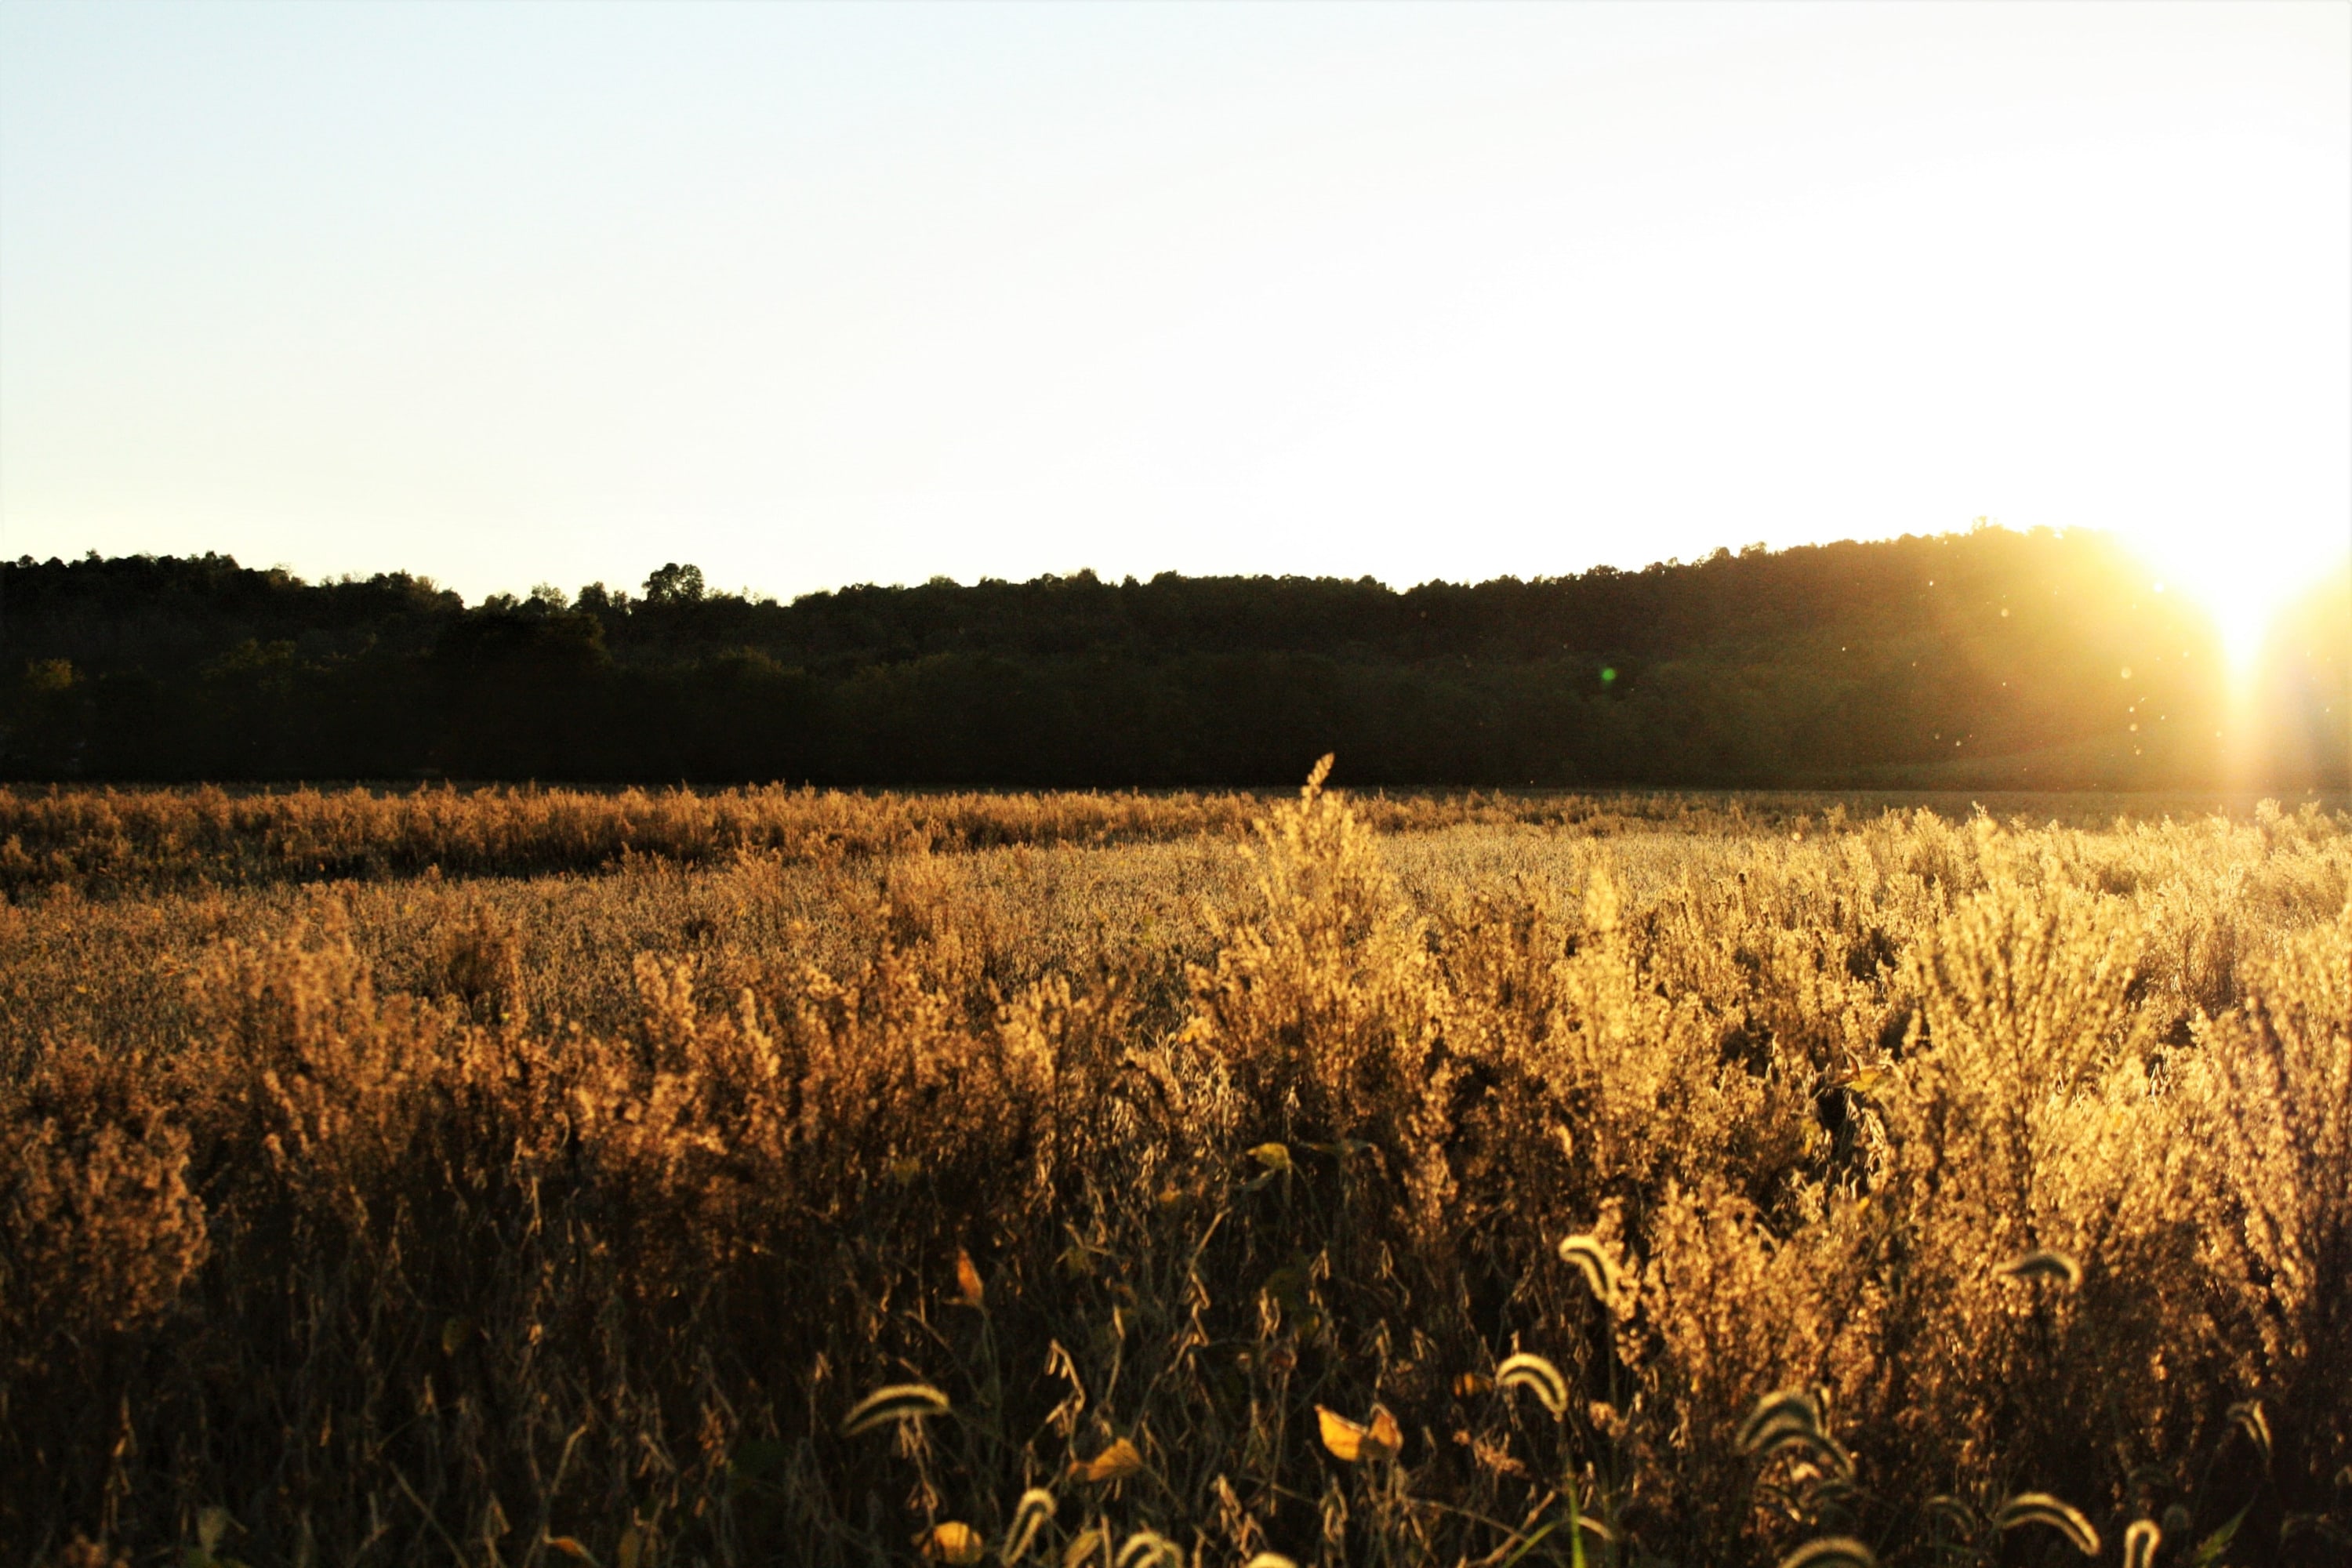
(137,840)
(1566,1181)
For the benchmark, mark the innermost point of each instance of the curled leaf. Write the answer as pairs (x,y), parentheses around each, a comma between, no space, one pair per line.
(899,1402)
(1537,1376)
(2141,1539)
(1272,1156)
(952,1542)
(1382,1439)
(1089,1545)
(2040,1508)
(1116,1463)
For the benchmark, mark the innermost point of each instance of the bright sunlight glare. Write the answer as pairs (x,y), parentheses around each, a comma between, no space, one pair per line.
(2242,577)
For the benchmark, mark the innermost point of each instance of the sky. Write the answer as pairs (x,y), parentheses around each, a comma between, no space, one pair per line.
(811,295)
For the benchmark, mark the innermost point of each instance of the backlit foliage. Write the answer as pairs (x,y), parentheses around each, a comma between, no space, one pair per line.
(1056,1179)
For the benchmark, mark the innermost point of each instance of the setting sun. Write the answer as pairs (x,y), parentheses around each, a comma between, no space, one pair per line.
(2242,577)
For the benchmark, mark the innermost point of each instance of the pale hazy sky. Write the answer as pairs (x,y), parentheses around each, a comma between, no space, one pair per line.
(814,294)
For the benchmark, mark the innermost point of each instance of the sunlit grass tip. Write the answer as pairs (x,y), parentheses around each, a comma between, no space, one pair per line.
(2040,1508)
(1537,1376)
(1830,1551)
(897,1402)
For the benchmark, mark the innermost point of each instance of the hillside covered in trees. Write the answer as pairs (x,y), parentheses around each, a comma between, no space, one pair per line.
(1987,657)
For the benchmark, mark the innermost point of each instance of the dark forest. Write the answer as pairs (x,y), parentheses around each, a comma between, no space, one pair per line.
(1979,659)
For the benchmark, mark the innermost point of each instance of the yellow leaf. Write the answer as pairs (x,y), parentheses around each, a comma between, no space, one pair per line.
(571,1547)
(632,1548)
(455,1333)
(1089,1545)
(1379,1440)
(1272,1156)
(950,1541)
(1342,1436)
(1116,1463)
(968,1281)
(1471,1382)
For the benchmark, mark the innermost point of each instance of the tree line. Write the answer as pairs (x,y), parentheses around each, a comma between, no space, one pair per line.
(1991,656)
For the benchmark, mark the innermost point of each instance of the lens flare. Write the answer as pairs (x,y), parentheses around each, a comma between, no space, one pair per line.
(2243,578)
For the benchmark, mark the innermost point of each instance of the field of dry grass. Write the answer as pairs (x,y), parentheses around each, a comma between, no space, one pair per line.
(529,1177)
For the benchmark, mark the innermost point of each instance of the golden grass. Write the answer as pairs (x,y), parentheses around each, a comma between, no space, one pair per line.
(851,1179)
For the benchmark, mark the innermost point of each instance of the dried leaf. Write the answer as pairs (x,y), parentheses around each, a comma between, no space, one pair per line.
(950,1541)
(1380,1440)
(1116,1463)
(968,1281)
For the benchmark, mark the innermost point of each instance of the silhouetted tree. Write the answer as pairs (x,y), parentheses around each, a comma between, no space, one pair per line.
(1987,654)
